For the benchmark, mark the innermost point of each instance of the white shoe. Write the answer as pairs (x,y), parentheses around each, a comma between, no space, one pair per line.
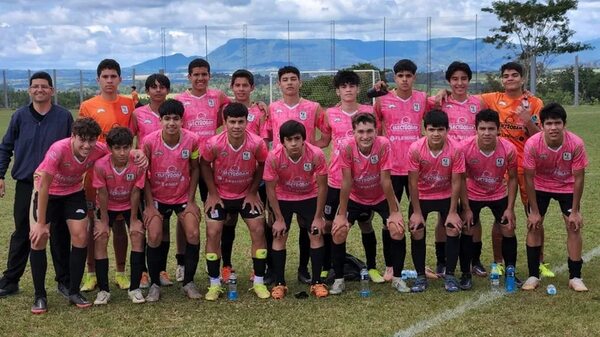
(191,291)
(531,284)
(400,285)
(179,273)
(102,298)
(153,294)
(577,284)
(338,286)
(165,280)
(136,296)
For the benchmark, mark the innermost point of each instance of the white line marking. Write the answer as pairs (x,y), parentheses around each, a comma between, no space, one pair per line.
(474,303)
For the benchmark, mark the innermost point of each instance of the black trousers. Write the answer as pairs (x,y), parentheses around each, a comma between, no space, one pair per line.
(18,251)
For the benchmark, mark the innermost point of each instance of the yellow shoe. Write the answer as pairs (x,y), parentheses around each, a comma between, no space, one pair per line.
(89,282)
(122,280)
(545,270)
(213,293)
(375,276)
(261,291)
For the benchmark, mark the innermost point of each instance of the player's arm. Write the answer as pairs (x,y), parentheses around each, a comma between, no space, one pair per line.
(453,217)
(41,228)
(467,214)
(575,218)
(150,210)
(279,223)
(135,201)
(252,197)
(534,218)
(6,151)
(395,222)
(213,197)
(379,116)
(512,185)
(325,138)
(101,227)
(318,220)
(416,219)
(341,221)
(525,114)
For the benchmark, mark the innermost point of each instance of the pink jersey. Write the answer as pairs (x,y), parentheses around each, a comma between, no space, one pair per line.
(118,184)
(304,112)
(366,169)
(295,180)
(486,172)
(234,169)
(255,115)
(201,114)
(338,124)
(66,169)
(435,172)
(147,121)
(554,167)
(169,170)
(461,116)
(401,123)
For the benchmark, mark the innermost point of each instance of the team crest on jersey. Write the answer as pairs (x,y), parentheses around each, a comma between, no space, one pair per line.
(211,102)
(246,155)
(303,115)
(307,167)
(250,118)
(337,120)
(185,154)
(124,109)
(473,108)
(445,161)
(130,177)
(567,156)
(499,162)
(416,107)
(374,159)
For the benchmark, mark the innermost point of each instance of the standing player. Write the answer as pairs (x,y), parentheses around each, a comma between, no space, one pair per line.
(296,178)
(135,97)
(367,187)
(109,109)
(555,161)
(435,172)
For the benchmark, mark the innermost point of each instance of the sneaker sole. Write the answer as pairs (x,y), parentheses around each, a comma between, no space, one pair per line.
(39,312)
(83,306)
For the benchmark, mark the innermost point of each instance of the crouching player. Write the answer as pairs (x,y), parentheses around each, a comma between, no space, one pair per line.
(554,161)
(118,182)
(367,187)
(296,178)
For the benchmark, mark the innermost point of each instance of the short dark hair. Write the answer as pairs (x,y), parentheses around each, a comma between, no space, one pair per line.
(235,110)
(198,63)
(160,78)
(86,128)
(511,66)
(553,111)
(458,66)
(487,115)
(119,136)
(41,75)
(363,117)
(287,69)
(171,107)
(133,87)
(242,73)
(345,77)
(108,64)
(405,65)
(436,118)
(291,128)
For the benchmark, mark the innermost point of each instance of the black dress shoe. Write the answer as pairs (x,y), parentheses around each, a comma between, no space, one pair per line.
(9,289)
(40,305)
(304,276)
(63,290)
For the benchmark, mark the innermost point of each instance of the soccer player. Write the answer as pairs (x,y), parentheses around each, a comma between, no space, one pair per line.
(296,178)
(435,172)
(108,109)
(336,125)
(555,161)
(367,187)
(401,112)
(31,131)
(135,97)
(171,187)
(118,182)
(488,159)
(232,165)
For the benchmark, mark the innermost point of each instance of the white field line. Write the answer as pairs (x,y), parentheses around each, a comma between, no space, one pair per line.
(474,303)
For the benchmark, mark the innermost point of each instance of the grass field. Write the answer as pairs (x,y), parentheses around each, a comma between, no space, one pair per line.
(434,313)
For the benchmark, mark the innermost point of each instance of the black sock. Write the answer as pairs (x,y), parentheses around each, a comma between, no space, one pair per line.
(574,268)
(452,249)
(316,261)
(440,253)
(39,265)
(418,251)
(269,240)
(509,250)
(180,259)
(369,241)
(227,237)
(339,258)
(327,239)
(533,260)
(144,266)
(476,257)
(164,254)
(278,260)
(304,243)
(259,265)
(466,252)
(192,254)
(102,274)
(213,267)
(136,265)
(386,240)
(398,250)
(76,268)
(154,264)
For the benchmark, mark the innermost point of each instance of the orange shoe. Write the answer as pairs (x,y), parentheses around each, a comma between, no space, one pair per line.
(145,281)
(319,290)
(226,273)
(430,274)
(278,292)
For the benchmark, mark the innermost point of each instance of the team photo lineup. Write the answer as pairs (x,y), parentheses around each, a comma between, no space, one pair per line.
(115,175)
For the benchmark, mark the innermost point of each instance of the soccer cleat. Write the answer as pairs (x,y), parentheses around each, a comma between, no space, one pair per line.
(420,284)
(8,289)
(63,290)
(319,290)
(500,269)
(165,279)
(440,270)
(269,277)
(531,283)
(213,293)
(102,298)
(179,273)
(278,292)
(389,274)
(261,290)
(79,300)
(466,281)
(545,270)
(304,276)
(226,272)
(375,276)
(40,305)
(89,282)
(399,284)
(136,296)
(430,274)
(191,291)
(479,270)
(577,284)
(145,281)
(338,286)
(451,284)
(122,280)
(153,293)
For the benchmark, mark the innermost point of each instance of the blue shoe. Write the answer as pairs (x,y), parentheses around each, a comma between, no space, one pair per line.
(420,284)
(451,284)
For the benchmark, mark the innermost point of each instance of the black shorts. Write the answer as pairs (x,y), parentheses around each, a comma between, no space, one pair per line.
(565,200)
(203,189)
(442,206)
(262,194)
(400,183)
(496,206)
(166,210)
(232,207)
(304,209)
(363,213)
(114,215)
(63,207)
(332,203)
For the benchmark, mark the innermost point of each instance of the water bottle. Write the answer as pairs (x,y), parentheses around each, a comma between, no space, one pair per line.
(494,276)
(551,289)
(232,293)
(404,275)
(365,291)
(509,282)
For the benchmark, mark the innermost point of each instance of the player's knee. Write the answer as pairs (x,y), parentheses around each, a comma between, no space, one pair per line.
(154,238)
(40,242)
(340,236)
(101,240)
(418,234)
(79,238)
(452,232)
(136,236)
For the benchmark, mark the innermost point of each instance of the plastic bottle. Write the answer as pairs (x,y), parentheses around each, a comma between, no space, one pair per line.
(232,293)
(551,289)
(365,291)
(509,282)
(494,276)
